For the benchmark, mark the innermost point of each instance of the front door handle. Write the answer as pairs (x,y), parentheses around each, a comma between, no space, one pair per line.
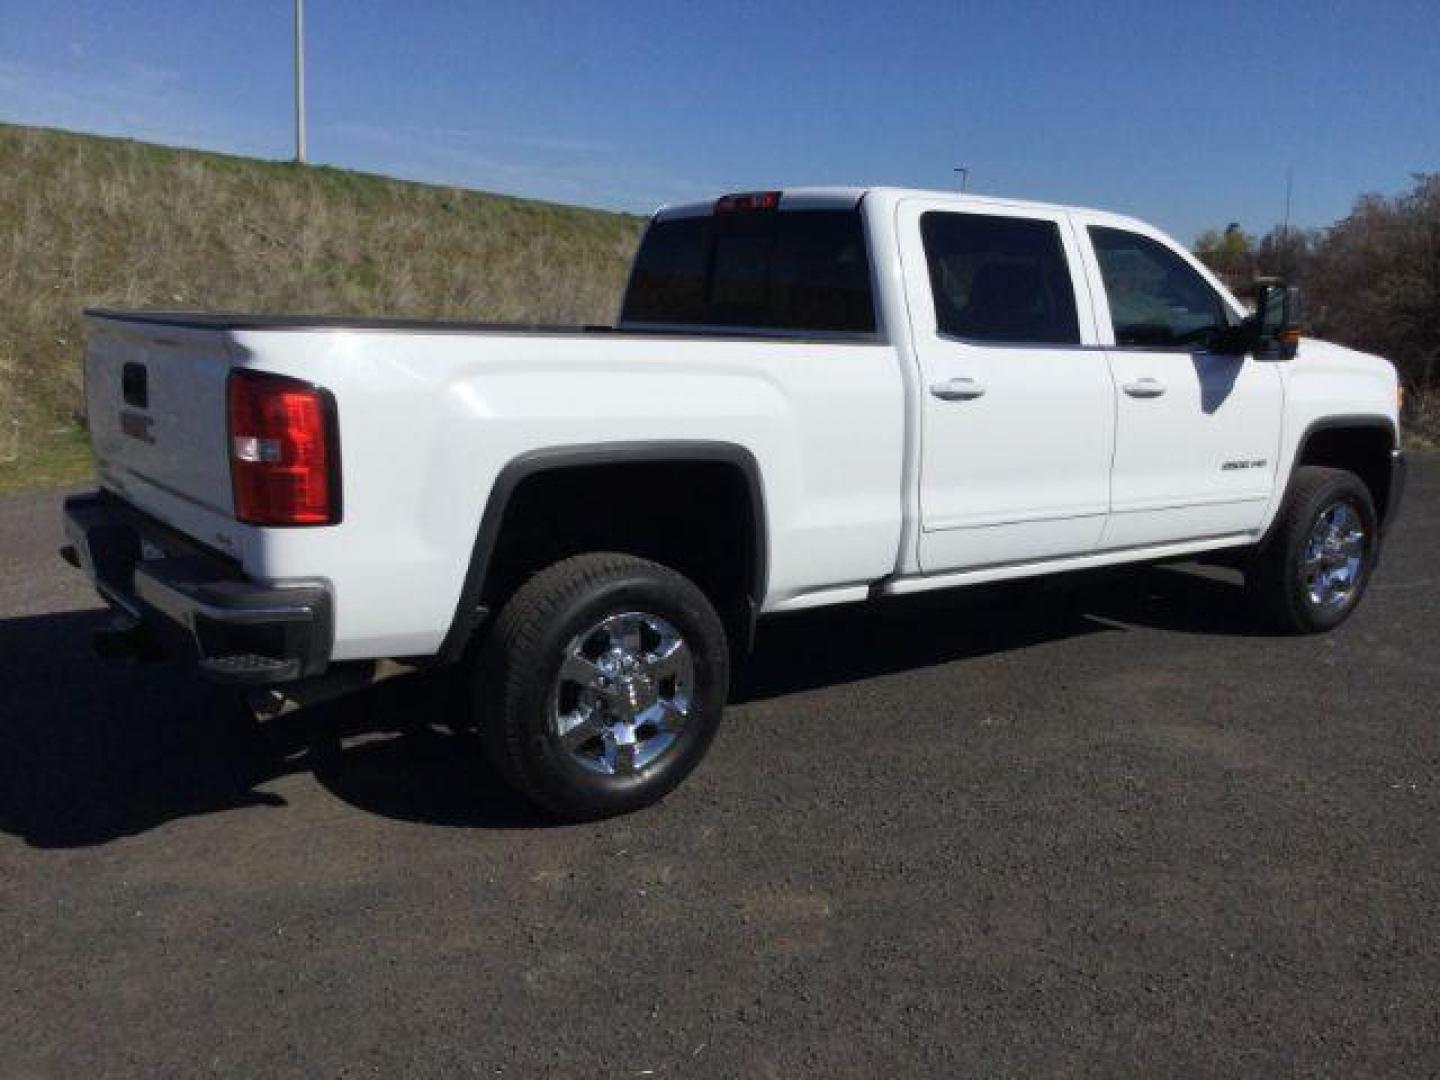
(957,389)
(1144,388)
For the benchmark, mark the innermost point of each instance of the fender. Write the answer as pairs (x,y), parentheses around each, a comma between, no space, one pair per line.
(1374,421)
(471,614)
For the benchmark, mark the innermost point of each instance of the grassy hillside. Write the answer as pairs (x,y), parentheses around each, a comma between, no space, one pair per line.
(91,221)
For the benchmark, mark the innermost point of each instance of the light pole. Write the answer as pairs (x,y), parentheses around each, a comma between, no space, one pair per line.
(964,171)
(300,81)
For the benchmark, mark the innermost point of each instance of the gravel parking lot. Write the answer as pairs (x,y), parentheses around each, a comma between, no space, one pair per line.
(1089,826)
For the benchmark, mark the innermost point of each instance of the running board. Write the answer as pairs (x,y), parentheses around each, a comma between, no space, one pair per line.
(901,586)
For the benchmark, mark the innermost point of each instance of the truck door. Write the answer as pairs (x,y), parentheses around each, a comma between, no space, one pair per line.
(1017,403)
(1197,433)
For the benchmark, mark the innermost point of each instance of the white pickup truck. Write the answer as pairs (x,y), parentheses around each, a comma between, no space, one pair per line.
(812,397)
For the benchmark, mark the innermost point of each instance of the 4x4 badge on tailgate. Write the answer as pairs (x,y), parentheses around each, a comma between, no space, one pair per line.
(137,425)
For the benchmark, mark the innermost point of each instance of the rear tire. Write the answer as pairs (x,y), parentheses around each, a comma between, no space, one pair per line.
(1314,566)
(601,685)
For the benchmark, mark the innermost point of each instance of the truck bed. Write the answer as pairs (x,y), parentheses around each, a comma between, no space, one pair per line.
(429,414)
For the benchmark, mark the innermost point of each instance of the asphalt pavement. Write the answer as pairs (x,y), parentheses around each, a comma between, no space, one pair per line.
(1085,826)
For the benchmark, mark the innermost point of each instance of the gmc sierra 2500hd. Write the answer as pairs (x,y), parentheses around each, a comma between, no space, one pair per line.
(812,397)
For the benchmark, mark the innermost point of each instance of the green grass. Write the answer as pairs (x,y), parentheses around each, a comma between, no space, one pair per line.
(88,221)
(59,457)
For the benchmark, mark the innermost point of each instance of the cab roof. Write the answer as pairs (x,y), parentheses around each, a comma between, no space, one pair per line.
(847,198)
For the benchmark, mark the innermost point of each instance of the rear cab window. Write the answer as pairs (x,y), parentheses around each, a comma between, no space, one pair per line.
(800,271)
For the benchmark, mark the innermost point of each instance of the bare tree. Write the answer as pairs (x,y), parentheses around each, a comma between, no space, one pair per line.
(1229,254)
(1374,281)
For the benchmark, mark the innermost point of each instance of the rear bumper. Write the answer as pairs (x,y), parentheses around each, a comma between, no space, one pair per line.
(166,588)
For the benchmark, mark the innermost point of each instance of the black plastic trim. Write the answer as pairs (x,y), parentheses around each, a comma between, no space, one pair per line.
(1332,423)
(235,321)
(163,536)
(470,612)
(1350,420)
(191,593)
(1399,473)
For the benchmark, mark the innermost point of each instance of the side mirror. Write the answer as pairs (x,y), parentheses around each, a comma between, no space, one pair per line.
(1277,319)
(1272,332)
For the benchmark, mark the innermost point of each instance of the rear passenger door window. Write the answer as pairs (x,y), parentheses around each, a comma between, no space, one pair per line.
(1157,299)
(999,279)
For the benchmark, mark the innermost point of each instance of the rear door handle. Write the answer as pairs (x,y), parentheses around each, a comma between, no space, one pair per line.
(1144,388)
(957,389)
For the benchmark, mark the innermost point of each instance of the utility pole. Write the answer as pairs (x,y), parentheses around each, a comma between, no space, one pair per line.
(1289,188)
(1285,261)
(964,171)
(300,81)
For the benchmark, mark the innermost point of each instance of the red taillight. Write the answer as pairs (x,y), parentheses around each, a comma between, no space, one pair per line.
(283,451)
(751,200)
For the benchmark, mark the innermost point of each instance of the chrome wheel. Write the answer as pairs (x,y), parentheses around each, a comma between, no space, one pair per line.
(623,693)
(1334,555)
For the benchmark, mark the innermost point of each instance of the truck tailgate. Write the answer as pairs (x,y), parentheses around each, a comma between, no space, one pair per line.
(155,397)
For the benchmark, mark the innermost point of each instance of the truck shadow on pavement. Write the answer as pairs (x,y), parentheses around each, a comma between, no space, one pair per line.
(839,645)
(91,751)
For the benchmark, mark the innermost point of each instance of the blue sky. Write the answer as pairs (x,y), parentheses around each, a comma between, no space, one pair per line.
(1187,114)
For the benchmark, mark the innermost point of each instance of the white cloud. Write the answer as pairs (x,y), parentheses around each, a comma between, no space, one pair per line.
(559,168)
(470,137)
(125,98)
(143,101)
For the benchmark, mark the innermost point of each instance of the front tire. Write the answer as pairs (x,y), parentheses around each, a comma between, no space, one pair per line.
(602,685)
(1314,566)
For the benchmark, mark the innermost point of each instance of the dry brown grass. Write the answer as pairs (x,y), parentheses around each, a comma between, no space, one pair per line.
(1420,423)
(87,221)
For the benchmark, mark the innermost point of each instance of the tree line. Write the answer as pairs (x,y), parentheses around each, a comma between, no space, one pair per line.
(1371,280)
